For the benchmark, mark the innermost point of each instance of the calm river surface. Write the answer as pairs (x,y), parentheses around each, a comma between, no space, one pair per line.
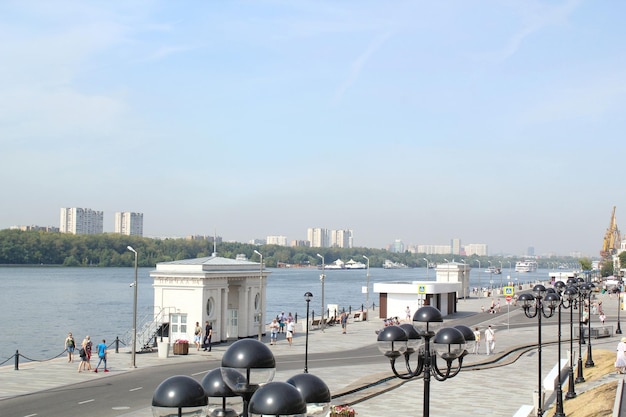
(40,305)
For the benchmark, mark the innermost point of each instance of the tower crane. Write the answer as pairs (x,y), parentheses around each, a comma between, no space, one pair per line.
(612,238)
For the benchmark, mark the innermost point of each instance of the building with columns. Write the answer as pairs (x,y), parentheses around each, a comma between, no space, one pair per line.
(229,293)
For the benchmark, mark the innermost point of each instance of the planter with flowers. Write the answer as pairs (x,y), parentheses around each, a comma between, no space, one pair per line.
(342,411)
(181,347)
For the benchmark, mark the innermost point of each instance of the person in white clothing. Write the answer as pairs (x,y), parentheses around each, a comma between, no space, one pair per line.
(476,340)
(490,340)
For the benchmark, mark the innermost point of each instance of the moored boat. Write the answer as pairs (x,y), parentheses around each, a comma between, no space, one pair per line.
(526,266)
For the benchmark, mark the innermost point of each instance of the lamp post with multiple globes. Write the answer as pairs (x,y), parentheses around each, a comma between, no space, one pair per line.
(535,305)
(405,340)
(247,370)
(367,291)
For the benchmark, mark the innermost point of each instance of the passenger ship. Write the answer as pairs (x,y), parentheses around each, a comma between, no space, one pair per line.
(525,266)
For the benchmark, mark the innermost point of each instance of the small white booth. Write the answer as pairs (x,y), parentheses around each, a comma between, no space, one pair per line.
(229,293)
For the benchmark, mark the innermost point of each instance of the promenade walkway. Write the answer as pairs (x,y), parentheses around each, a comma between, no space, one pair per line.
(492,390)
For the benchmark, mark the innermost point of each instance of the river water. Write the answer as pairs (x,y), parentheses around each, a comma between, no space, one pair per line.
(40,305)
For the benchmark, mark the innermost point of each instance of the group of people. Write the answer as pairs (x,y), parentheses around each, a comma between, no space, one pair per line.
(84,351)
(202,339)
(282,324)
(490,340)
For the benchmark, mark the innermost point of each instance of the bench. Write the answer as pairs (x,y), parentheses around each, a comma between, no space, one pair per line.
(316,323)
(357,316)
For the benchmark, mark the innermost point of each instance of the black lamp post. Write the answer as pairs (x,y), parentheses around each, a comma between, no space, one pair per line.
(179,392)
(571,292)
(618,330)
(214,386)
(449,344)
(566,299)
(589,362)
(315,393)
(539,301)
(246,365)
(307,298)
(277,399)
(582,295)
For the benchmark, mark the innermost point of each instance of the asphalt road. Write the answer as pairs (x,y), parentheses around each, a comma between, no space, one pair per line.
(132,391)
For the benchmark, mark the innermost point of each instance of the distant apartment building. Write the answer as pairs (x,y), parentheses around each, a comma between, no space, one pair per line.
(397,246)
(130,224)
(318,237)
(434,249)
(214,239)
(81,221)
(479,249)
(33,228)
(300,243)
(277,240)
(341,238)
(456,246)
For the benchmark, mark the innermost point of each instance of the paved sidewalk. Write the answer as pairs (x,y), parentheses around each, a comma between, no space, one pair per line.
(494,391)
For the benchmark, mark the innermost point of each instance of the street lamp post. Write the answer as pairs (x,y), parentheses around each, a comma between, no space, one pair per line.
(307,298)
(618,329)
(406,339)
(550,301)
(589,362)
(322,277)
(134,347)
(572,291)
(464,277)
(427,264)
(248,369)
(480,289)
(501,284)
(260,337)
(568,295)
(367,293)
(582,295)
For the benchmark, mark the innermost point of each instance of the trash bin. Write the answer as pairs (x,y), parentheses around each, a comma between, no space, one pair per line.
(164,349)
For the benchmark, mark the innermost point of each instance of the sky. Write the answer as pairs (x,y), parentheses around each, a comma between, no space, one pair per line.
(497,122)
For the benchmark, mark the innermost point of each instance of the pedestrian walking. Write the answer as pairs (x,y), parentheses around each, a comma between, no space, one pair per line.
(344,322)
(282,320)
(274,331)
(85,355)
(602,318)
(290,331)
(197,336)
(620,360)
(408,313)
(477,340)
(208,334)
(490,340)
(70,347)
(102,355)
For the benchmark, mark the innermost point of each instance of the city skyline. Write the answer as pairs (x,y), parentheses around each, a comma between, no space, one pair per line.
(496,122)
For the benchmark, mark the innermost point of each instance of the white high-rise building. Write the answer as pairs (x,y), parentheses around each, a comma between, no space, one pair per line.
(276,240)
(341,238)
(456,246)
(318,237)
(479,249)
(81,221)
(434,249)
(130,224)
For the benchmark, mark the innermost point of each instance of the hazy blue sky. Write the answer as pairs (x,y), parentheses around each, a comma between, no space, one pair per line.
(498,122)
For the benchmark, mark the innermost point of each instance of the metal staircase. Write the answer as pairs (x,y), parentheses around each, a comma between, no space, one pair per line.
(150,327)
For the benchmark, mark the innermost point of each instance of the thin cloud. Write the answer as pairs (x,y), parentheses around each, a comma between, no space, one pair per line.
(357,66)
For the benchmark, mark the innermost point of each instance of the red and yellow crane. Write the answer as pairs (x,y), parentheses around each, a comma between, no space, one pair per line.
(612,238)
